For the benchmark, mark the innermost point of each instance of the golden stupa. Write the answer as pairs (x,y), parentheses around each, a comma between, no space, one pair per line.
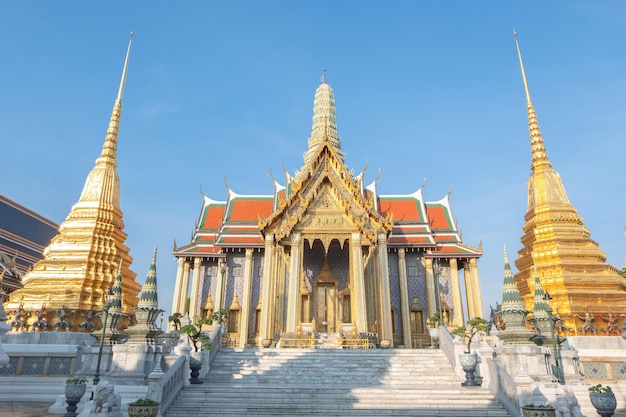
(82,260)
(571,266)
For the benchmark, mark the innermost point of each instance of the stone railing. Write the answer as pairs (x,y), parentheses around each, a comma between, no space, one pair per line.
(164,387)
(505,388)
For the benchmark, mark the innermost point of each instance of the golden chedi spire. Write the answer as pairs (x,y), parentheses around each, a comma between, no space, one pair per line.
(571,266)
(82,260)
(324,121)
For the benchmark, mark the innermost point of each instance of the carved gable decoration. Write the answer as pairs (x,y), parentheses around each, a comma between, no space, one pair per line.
(326,197)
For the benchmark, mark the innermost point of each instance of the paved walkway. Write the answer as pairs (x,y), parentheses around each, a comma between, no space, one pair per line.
(21,409)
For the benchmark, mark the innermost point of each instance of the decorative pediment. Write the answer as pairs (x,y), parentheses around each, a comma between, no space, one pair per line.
(326,198)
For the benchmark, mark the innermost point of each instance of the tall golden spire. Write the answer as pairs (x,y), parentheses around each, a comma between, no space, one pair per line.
(570,265)
(538,149)
(82,260)
(324,121)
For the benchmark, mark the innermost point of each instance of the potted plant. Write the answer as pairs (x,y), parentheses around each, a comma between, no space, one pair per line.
(433,329)
(199,339)
(538,410)
(467,359)
(603,399)
(143,407)
(175,320)
(75,388)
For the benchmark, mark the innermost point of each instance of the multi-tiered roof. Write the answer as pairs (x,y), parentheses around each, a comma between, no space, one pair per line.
(240,220)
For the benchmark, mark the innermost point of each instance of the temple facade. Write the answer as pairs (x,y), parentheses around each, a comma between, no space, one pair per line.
(558,249)
(327,254)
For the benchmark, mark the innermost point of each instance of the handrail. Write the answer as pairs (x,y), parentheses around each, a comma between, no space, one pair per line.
(165,387)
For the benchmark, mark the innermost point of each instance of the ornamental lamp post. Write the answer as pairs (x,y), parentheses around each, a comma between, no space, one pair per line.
(437,269)
(105,309)
(221,295)
(559,375)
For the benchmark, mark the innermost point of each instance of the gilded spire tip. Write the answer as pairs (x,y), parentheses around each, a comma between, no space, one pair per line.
(324,76)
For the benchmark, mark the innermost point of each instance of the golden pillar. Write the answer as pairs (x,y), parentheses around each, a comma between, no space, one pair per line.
(295,266)
(385,296)
(194,302)
(182,301)
(468,290)
(430,287)
(265,333)
(404,298)
(476,293)
(247,296)
(176,307)
(359,315)
(457,301)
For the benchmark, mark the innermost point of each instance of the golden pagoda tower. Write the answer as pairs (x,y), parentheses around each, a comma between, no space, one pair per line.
(570,266)
(81,262)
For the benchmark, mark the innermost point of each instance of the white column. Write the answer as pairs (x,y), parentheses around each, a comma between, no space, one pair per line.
(268,302)
(404,298)
(476,293)
(294,281)
(385,296)
(184,289)
(176,307)
(458,319)
(360,315)
(194,310)
(247,295)
(468,290)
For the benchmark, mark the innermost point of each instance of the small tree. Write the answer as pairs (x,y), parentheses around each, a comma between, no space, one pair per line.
(473,326)
(175,320)
(195,334)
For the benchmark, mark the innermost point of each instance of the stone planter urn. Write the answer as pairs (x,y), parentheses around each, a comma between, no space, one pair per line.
(143,408)
(195,364)
(433,332)
(538,411)
(604,403)
(74,390)
(468,362)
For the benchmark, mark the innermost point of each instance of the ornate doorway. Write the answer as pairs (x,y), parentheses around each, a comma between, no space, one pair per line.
(325,300)
(325,296)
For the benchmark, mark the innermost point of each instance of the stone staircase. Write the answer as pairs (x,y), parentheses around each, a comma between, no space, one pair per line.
(333,382)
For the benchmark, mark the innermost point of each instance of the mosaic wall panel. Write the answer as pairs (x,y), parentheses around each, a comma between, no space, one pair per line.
(445,284)
(417,284)
(233,282)
(257,273)
(33,366)
(595,370)
(11,367)
(59,366)
(394,290)
(617,369)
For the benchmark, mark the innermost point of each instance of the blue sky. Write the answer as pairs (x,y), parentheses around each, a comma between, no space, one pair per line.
(423,90)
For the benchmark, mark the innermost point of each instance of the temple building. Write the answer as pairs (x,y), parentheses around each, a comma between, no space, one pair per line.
(571,267)
(327,254)
(82,261)
(23,236)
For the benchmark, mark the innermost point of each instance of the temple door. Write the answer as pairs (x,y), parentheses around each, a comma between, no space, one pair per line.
(326,306)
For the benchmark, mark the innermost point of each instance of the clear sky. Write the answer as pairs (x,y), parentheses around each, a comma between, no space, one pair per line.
(423,90)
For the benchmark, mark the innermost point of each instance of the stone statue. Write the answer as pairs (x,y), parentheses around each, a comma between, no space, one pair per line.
(62,323)
(105,399)
(87,323)
(611,324)
(40,324)
(559,327)
(587,323)
(19,323)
